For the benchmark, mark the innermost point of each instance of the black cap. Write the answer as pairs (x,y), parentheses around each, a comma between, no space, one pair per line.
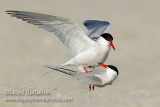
(107,36)
(113,67)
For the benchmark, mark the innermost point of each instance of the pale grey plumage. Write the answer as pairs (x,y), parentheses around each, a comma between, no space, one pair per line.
(89,78)
(67,32)
(84,49)
(97,77)
(96,28)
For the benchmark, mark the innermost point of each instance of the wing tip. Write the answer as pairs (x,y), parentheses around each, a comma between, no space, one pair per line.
(11,11)
(90,22)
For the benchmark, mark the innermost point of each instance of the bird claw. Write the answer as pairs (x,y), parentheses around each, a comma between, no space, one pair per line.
(86,69)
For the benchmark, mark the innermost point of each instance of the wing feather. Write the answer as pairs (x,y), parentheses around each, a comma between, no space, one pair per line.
(67,32)
(96,28)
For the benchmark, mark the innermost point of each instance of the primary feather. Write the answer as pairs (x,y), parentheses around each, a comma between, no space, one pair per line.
(96,28)
(67,32)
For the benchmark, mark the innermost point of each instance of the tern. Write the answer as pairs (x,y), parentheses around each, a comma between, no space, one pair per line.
(99,78)
(88,50)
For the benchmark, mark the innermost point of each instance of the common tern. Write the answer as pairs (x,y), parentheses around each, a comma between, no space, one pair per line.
(99,78)
(87,50)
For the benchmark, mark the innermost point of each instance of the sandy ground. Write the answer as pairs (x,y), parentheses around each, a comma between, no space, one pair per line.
(25,49)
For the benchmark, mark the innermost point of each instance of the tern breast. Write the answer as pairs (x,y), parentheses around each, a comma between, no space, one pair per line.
(104,49)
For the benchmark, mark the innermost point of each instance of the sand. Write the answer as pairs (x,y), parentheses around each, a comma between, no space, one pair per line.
(25,49)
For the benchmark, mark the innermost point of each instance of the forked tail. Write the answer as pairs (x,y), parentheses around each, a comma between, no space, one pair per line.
(63,70)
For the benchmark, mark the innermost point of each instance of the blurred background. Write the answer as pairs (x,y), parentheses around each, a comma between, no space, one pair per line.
(135,26)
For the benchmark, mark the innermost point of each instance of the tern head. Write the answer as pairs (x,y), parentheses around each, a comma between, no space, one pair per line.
(108,37)
(113,68)
(110,68)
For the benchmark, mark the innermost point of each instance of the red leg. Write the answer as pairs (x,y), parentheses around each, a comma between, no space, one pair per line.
(93,87)
(89,87)
(86,69)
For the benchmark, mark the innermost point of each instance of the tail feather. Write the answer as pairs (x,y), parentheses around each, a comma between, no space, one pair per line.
(66,63)
(60,70)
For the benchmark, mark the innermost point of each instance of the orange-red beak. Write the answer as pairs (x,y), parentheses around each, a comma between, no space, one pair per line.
(111,44)
(104,66)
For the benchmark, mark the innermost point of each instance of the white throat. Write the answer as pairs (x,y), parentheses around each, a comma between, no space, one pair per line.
(104,49)
(111,75)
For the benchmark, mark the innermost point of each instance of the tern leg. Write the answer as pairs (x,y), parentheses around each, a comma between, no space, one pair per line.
(89,87)
(93,87)
(86,69)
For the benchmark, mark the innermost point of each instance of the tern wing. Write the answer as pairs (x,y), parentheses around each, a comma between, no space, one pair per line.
(96,28)
(67,32)
(89,79)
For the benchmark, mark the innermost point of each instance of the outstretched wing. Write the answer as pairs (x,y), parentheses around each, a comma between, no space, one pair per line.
(96,28)
(67,32)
